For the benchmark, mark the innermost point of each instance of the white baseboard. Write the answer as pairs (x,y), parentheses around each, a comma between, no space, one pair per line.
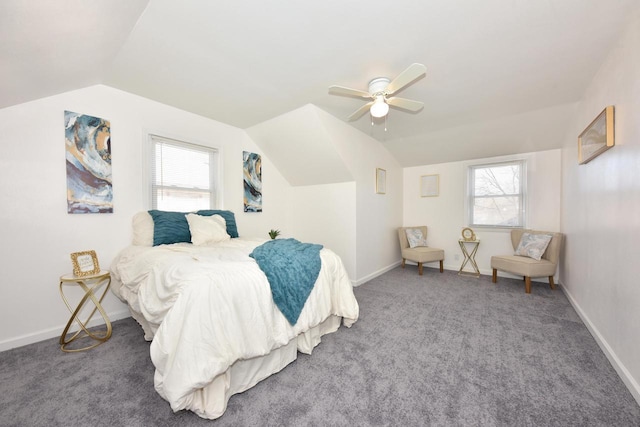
(449,267)
(375,274)
(55,331)
(622,371)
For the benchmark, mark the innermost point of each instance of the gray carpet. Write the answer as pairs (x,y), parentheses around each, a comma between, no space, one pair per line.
(437,349)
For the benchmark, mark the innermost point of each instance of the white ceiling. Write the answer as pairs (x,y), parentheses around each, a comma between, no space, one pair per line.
(245,62)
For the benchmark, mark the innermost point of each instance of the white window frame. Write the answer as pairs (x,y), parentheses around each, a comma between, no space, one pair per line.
(215,172)
(470,196)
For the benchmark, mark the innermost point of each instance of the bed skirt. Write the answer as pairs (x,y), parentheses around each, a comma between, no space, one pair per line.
(211,401)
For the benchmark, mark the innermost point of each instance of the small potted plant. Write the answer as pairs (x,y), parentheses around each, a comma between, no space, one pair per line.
(274,233)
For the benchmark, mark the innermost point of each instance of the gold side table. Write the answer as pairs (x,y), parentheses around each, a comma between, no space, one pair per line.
(91,286)
(469,257)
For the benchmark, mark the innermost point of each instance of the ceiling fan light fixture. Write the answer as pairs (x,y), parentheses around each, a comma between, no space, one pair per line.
(381,94)
(379,108)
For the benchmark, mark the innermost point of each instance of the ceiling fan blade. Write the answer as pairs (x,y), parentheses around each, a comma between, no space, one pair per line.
(405,104)
(341,90)
(405,78)
(360,111)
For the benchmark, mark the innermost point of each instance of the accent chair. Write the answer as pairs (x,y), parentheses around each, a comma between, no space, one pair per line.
(419,254)
(527,266)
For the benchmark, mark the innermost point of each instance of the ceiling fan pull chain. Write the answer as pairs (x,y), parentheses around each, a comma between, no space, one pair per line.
(385,123)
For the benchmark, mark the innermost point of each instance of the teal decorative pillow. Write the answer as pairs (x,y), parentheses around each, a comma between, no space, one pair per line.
(533,245)
(169,227)
(172,227)
(415,237)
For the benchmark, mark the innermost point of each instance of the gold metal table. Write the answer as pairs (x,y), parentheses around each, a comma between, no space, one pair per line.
(91,286)
(469,257)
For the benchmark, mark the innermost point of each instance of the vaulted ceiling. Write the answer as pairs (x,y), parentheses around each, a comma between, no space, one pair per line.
(502,75)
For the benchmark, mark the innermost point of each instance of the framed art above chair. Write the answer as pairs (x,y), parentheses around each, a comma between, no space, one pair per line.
(598,137)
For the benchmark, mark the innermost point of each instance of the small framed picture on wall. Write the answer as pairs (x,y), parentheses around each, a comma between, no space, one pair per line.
(429,185)
(381,181)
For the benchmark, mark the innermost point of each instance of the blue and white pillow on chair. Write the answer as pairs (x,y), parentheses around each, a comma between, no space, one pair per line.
(533,245)
(415,237)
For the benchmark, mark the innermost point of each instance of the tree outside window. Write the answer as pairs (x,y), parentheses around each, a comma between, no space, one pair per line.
(497,195)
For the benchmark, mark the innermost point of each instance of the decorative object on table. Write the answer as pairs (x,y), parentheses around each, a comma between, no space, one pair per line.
(88,158)
(274,233)
(429,185)
(468,235)
(252,171)
(85,263)
(598,137)
(469,257)
(381,181)
(89,284)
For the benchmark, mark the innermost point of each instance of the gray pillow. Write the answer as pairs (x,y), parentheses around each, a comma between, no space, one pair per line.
(415,237)
(533,245)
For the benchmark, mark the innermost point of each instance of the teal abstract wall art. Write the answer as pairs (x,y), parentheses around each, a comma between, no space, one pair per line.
(252,170)
(88,158)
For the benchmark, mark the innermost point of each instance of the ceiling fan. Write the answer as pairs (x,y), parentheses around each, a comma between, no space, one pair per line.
(380,91)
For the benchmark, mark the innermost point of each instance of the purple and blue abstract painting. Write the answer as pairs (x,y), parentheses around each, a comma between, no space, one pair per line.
(88,155)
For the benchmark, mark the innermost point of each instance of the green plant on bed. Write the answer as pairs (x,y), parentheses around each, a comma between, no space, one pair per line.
(274,233)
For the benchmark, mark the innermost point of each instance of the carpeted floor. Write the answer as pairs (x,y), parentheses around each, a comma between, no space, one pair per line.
(437,349)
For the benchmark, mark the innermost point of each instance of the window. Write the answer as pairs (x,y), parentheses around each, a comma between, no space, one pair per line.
(183,175)
(496,194)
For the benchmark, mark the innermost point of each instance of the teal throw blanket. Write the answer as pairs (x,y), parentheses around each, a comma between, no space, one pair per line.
(292,269)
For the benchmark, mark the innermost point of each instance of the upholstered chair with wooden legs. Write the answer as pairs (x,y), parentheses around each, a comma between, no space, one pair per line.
(419,254)
(526,266)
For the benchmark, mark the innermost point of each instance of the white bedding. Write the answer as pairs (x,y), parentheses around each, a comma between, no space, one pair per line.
(207,307)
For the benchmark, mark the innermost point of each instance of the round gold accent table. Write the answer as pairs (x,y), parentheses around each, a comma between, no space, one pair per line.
(91,286)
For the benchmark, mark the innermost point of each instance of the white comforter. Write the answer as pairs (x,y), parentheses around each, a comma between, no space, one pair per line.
(209,306)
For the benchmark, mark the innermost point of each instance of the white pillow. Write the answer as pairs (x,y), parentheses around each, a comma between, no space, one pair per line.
(533,245)
(207,229)
(142,229)
(415,237)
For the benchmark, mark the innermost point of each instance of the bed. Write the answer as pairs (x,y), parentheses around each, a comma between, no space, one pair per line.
(208,308)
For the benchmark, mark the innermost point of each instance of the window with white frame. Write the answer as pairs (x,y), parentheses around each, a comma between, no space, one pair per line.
(183,176)
(497,194)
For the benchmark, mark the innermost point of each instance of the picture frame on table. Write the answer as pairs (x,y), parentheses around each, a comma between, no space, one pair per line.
(85,263)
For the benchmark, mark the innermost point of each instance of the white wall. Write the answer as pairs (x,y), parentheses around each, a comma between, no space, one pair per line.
(445,215)
(377,215)
(334,201)
(601,212)
(37,233)
(326,214)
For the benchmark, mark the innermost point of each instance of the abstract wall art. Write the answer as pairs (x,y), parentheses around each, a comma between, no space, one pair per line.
(252,170)
(88,158)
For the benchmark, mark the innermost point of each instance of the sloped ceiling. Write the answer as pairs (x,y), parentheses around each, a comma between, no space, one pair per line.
(244,63)
(313,160)
(47,48)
